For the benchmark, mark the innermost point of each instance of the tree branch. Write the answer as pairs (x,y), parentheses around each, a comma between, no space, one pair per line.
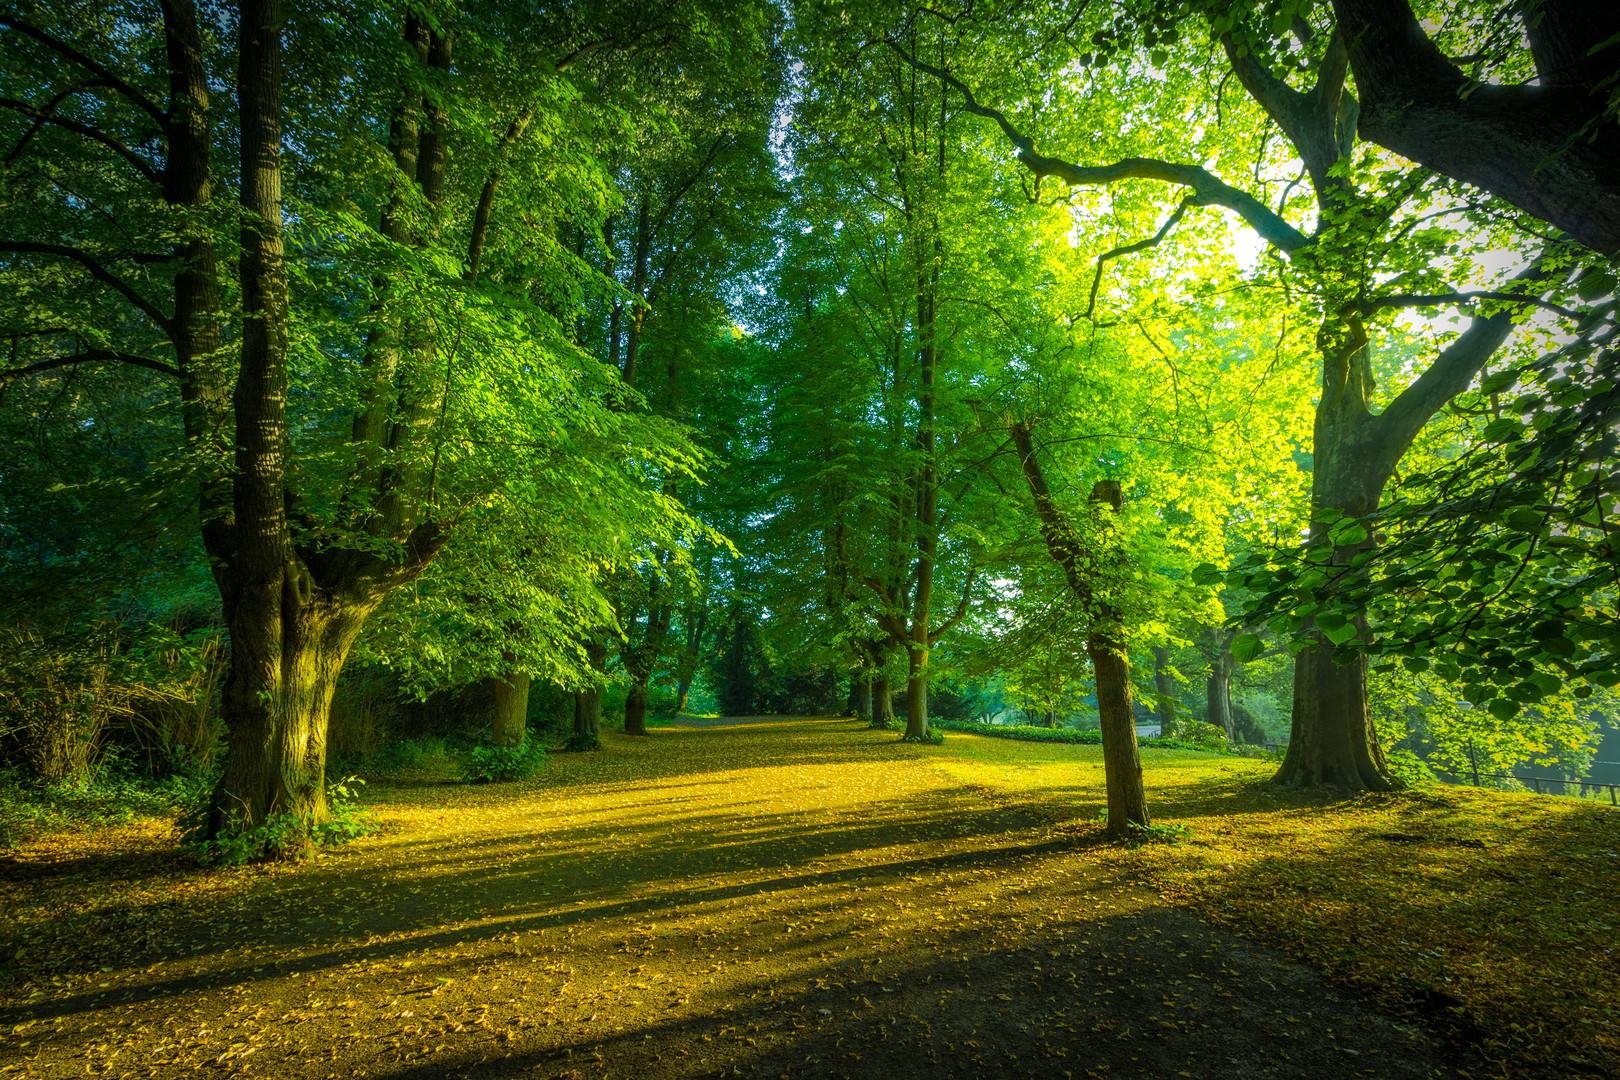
(1545,148)
(1392,430)
(1408,300)
(11,21)
(1131,249)
(95,269)
(961,609)
(1207,189)
(88,357)
(47,116)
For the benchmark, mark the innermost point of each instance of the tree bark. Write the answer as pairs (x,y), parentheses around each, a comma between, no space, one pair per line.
(635,709)
(860,694)
(1122,760)
(1218,690)
(1545,147)
(287,643)
(510,727)
(196,331)
(1165,684)
(588,700)
(882,703)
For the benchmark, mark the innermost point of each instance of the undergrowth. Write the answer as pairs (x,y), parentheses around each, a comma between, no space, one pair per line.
(503,764)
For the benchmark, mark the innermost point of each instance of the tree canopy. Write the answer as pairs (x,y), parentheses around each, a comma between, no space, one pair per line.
(898,358)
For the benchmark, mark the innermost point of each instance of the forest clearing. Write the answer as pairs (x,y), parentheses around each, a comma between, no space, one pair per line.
(871,538)
(806,897)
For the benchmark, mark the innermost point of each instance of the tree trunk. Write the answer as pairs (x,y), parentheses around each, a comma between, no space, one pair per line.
(277,704)
(917,693)
(1218,691)
(588,701)
(196,330)
(588,714)
(882,702)
(1165,684)
(1333,741)
(1122,761)
(683,691)
(635,709)
(860,695)
(511,709)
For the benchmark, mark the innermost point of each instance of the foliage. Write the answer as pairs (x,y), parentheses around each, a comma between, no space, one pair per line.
(504,764)
(279,834)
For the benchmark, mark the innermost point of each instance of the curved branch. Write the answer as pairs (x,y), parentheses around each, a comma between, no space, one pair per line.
(1131,249)
(1207,189)
(1407,300)
(88,357)
(12,21)
(48,116)
(95,269)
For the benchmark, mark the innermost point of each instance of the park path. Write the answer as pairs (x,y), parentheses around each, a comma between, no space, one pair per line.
(799,898)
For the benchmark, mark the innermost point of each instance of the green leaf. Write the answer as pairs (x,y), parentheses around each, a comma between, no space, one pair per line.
(1246,647)
(1341,634)
(1503,709)
(1502,429)
(1498,381)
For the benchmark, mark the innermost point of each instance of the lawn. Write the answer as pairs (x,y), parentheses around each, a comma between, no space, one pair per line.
(810,898)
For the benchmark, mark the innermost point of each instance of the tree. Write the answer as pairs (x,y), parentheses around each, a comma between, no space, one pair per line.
(1355,450)
(331,499)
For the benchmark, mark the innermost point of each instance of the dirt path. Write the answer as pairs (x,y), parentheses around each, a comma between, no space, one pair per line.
(795,898)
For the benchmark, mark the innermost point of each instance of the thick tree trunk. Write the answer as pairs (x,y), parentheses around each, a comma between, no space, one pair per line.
(588,701)
(635,709)
(882,703)
(1218,691)
(277,704)
(1333,742)
(511,722)
(1165,684)
(588,714)
(683,691)
(860,695)
(917,693)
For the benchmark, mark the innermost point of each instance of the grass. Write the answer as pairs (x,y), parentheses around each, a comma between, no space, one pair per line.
(1488,913)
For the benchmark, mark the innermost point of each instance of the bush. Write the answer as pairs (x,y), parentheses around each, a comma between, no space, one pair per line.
(503,764)
(1202,736)
(280,833)
(1411,769)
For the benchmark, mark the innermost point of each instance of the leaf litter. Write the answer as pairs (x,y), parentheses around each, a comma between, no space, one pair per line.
(796,898)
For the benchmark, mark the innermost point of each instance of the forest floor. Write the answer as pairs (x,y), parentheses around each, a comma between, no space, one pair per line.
(808,898)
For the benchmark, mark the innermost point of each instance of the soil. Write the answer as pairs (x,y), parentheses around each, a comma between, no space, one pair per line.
(792,898)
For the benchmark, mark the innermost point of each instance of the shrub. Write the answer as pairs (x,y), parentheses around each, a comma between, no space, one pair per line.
(503,764)
(1202,736)
(279,834)
(1409,768)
